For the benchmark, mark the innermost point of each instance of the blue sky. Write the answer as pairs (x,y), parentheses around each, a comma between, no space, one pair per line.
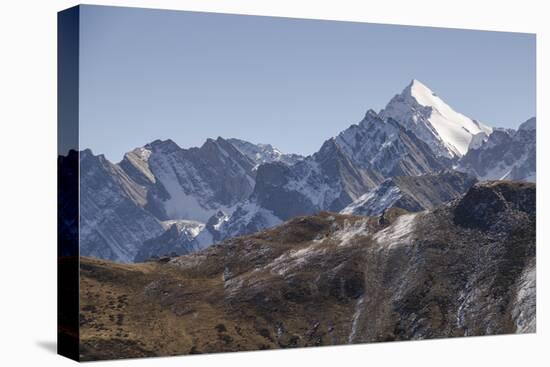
(150,74)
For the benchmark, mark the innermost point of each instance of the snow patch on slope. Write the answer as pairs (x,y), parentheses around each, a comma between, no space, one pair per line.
(374,202)
(398,233)
(296,259)
(349,231)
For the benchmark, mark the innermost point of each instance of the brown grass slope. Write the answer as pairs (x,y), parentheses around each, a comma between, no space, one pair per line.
(466,268)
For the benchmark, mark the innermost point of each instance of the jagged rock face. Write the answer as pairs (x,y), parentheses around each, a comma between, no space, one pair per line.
(328,180)
(152,195)
(386,147)
(247,218)
(200,181)
(161,182)
(345,167)
(504,155)
(447,132)
(112,223)
(264,153)
(402,276)
(346,178)
(412,193)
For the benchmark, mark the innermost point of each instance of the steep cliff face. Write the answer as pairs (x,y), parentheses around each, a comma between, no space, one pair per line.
(385,146)
(465,268)
(113,224)
(200,181)
(123,205)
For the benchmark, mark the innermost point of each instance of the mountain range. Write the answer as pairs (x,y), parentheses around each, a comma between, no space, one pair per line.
(415,154)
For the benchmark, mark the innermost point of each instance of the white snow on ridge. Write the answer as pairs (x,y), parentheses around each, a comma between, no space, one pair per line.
(478,140)
(190,227)
(422,111)
(453,127)
(263,153)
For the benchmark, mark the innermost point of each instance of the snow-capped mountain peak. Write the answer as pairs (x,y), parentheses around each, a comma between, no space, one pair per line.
(420,110)
(424,95)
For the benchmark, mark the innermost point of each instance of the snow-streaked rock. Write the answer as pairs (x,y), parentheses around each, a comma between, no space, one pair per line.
(113,224)
(505,155)
(412,193)
(384,146)
(198,182)
(264,153)
(247,218)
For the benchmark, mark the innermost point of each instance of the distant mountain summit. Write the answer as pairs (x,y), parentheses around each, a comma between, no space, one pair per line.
(420,110)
